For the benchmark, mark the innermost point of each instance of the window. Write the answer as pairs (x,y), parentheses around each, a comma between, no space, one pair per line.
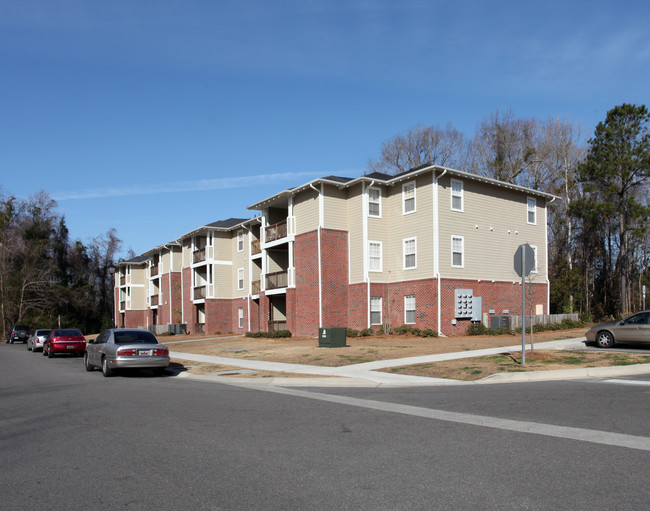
(409,310)
(535,269)
(240,317)
(410,247)
(240,278)
(374,202)
(408,196)
(374,255)
(456,195)
(240,241)
(532,210)
(457,251)
(375,310)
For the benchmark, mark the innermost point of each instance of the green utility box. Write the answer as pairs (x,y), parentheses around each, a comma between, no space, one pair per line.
(331,337)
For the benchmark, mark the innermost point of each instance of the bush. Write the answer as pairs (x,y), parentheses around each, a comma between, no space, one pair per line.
(479,328)
(269,335)
(351,332)
(408,329)
(366,332)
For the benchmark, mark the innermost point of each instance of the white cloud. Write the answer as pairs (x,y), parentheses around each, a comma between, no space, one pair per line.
(293,178)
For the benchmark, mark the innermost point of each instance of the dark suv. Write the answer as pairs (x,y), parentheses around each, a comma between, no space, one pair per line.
(19,333)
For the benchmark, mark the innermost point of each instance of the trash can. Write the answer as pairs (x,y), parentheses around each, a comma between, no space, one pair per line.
(331,337)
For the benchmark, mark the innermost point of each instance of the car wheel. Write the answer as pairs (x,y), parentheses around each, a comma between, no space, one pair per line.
(106,370)
(50,354)
(44,352)
(604,340)
(89,367)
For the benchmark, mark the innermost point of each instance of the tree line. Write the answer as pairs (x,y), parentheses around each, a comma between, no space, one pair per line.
(598,236)
(47,280)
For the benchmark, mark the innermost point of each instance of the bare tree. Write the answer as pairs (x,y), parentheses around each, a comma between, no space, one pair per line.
(418,146)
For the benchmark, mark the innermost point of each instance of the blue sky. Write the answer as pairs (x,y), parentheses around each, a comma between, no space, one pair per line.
(156,117)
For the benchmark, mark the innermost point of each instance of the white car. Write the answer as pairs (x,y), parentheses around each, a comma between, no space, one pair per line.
(35,341)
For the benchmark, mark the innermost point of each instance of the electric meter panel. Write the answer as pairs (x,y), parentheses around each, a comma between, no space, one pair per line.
(464,303)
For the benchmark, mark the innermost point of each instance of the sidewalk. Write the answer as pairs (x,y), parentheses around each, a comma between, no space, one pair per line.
(367,374)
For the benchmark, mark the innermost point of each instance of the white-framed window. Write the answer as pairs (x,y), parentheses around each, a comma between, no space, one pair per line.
(457,195)
(374,256)
(535,268)
(458,251)
(240,278)
(408,197)
(375,310)
(409,310)
(410,253)
(240,317)
(374,202)
(531,207)
(240,240)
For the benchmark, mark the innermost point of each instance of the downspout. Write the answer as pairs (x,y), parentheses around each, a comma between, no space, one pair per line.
(436,245)
(320,270)
(171,266)
(548,283)
(366,276)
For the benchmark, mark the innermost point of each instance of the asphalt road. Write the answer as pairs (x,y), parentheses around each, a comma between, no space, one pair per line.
(75,440)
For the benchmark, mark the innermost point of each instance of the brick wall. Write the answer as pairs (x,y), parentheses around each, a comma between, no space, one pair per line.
(334,273)
(305,315)
(135,319)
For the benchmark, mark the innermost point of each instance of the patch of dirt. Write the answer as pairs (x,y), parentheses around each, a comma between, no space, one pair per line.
(469,369)
(230,371)
(303,350)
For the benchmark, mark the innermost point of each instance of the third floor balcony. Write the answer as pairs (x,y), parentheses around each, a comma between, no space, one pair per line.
(199,256)
(276,231)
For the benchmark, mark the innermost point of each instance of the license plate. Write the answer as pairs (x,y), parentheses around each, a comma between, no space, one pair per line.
(145,352)
(70,347)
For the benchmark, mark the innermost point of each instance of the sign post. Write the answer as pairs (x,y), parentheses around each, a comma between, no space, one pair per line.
(524,264)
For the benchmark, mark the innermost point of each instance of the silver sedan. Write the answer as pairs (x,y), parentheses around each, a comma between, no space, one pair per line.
(123,348)
(36,340)
(636,328)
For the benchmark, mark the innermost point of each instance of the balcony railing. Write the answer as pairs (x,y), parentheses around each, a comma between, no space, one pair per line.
(122,306)
(256,287)
(198,256)
(276,280)
(155,299)
(276,231)
(256,247)
(154,270)
(123,280)
(198,292)
(276,326)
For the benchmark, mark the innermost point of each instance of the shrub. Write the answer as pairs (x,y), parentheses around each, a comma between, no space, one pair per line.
(270,335)
(409,329)
(366,332)
(351,332)
(479,328)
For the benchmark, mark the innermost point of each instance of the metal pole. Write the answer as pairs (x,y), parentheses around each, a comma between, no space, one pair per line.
(523,307)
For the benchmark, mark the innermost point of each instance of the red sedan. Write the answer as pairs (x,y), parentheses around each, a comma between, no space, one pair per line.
(64,340)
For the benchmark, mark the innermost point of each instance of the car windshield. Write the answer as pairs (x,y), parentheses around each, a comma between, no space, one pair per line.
(638,319)
(67,332)
(135,337)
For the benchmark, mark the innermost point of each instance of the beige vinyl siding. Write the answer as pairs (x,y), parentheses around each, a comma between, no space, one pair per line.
(335,210)
(224,245)
(493,224)
(187,253)
(355,233)
(305,209)
(240,260)
(418,224)
(223,280)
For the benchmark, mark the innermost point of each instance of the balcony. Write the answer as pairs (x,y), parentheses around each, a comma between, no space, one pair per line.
(276,326)
(198,256)
(123,280)
(276,231)
(198,293)
(154,270)
(122,306)
(256,287)
(155,299)
(256,247)
(276,280)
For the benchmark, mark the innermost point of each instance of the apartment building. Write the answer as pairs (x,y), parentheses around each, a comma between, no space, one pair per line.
(433,247)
